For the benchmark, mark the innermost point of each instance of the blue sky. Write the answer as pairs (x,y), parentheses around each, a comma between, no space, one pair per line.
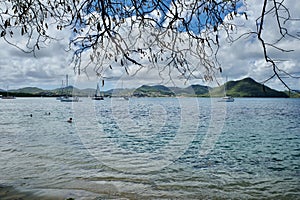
(239,60)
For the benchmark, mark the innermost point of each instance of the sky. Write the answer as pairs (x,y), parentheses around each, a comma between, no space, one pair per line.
(240,59)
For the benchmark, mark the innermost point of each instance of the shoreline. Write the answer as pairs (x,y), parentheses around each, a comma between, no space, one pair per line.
(11,193)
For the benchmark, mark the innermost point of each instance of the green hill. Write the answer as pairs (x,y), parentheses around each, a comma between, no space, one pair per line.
(30,90)
(192,90)
(27,92)
(198,89)
(293,94)
(247,88)
(242,88)
(153,91)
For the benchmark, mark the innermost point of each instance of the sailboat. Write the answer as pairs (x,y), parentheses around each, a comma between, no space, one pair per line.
(124,97)
(67,98)
(97,95)
(226,98)
(61,91)
(7,96)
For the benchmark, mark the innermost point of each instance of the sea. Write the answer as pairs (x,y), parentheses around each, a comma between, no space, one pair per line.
(150,148)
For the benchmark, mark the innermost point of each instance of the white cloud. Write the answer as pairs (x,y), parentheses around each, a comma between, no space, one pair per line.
(241,59)
(44,69)
(245,56)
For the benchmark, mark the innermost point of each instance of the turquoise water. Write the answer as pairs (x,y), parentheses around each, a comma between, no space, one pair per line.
(151,148)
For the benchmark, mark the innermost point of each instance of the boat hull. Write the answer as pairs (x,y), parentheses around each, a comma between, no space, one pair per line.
(69,99)
(227,99)
(97,98)
(8,97)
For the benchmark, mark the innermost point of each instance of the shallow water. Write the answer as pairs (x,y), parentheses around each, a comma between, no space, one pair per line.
(150,148)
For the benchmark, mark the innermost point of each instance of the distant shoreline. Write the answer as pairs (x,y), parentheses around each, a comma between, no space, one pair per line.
(179,96)
(243,88)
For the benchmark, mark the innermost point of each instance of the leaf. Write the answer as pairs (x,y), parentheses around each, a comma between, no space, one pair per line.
(215,28)
(3,33)
(6,23)
(98,27)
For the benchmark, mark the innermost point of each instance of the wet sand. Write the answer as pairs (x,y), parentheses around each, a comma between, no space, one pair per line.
(10,193)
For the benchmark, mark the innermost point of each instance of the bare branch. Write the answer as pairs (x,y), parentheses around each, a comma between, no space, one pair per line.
(135,35)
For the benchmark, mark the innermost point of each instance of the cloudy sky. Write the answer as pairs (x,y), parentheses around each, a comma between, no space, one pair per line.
(241,59)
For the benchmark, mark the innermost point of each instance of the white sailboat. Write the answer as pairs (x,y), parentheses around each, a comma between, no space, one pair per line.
(66,98)
(125,97)
(226,98)
(7,95)
(97,95)
(69,99)
(61,92)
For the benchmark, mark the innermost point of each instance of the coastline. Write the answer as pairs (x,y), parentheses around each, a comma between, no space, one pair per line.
(11,193)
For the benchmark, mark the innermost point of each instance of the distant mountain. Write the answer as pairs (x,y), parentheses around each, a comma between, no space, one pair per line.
(192,90)
(153,91)
(37,92)
(30,90)
(198,89)
(118,92)
(247,88)
(242,88)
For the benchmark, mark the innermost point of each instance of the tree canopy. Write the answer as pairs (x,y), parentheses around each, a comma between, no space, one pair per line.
(166,35)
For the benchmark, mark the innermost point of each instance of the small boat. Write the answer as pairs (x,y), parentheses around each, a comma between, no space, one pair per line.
(227,99)
(97,98)
(97,95)
(60,97)
(61,92)
(125,97)
(69,99)
(8,97)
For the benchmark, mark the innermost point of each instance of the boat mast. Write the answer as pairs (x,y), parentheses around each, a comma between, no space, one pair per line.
(225,85)
(67,83)
(98,90)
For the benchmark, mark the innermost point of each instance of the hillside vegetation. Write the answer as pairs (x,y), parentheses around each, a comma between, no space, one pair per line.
(247,88)
(242,88)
